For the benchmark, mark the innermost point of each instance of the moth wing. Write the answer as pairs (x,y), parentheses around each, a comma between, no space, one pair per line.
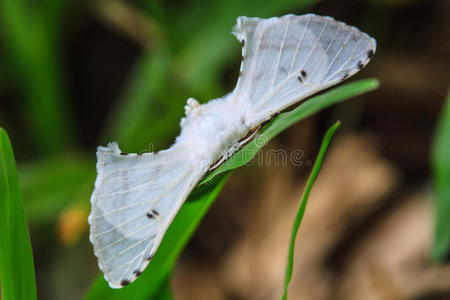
(292,57)
(134,201)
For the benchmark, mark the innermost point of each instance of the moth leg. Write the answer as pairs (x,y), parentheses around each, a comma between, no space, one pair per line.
(182,121)
(191,104)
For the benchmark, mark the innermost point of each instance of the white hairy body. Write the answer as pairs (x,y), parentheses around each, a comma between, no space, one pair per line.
(136,196)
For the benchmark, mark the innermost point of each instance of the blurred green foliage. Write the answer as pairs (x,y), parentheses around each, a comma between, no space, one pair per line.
(31,43)
(441,172)
(51,184)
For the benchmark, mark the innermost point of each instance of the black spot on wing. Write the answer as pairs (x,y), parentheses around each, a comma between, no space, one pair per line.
(302,76)
(344,76)
(155,212)
(124,282)
(137,273)
(149,258)
(370,54)
(123,153)
(150,215)
(360,65)
(243,43)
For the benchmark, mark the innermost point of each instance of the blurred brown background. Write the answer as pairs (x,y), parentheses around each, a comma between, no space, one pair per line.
(368,227)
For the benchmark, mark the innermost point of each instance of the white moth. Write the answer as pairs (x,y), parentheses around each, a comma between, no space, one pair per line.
(136,196)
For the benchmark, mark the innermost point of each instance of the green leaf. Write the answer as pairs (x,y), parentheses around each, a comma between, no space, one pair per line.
(165,292)
(302,207)
(287,119)
(178,234)
(440,159)
(16,258)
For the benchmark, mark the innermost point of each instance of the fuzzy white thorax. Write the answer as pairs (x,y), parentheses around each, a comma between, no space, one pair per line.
(211,129)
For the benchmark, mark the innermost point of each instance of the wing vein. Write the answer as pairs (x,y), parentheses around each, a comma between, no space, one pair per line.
(348,59)
(338,53)
(131,264)
(129,235)
(279,55)
(122,208)
(118,226)
(273,91)
(125,251)
(255,61)
(324,54)
(140,187)
(298,46)
(164,192)
(140,166)
(270,47)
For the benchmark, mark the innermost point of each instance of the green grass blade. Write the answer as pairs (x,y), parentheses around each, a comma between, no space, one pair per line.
(302,207)
(440,160)
(178,234)
(16,259)
(287,119)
